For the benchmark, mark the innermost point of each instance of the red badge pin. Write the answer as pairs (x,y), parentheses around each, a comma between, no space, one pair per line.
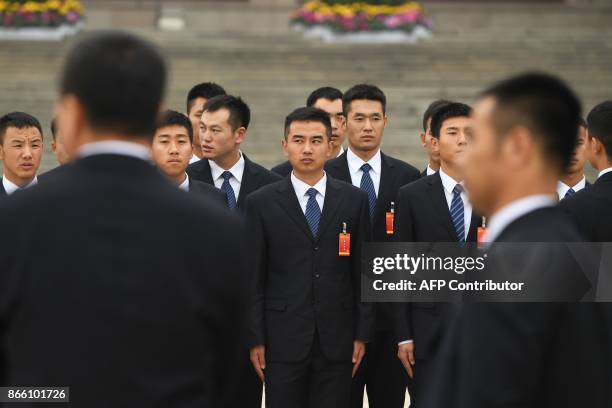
(344,242)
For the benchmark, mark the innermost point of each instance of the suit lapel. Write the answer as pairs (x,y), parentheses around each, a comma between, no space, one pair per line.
(438,199)
(385,189)
(2,191)
(290,204)
(250,181)
(205,173)
(341,169)
(475,222)
(331,204)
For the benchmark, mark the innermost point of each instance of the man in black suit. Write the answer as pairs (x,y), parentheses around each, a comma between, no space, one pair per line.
(381,176)
(433,209)
(330,100)
(171,151)
(21,149)
(308,325)
(523,354)
(433,164)
(111,287)
(223,128)
(197,97)
(573,179)
(591,208)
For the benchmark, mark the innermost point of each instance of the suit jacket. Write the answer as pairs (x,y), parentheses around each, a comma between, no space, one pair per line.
(50,175)
(125,297)
(394,174)
(2,190)
(519,354)
(590,210)
(208,192)
(422,215)
(253,178)
(284,169)
(302,287)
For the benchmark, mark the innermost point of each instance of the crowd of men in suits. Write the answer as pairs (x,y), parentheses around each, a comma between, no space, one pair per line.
(195,281)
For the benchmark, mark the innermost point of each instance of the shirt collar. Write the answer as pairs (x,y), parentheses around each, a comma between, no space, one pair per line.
(120,147)
(340,152)
(563,188)
(355,162)
(429,171)
(11,187)
(301,187)
(515,210)
(185,184)
(448,182)
(237,169)
(604,171)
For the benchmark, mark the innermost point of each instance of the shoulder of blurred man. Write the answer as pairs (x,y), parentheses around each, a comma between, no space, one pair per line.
(207,191)
(283,169)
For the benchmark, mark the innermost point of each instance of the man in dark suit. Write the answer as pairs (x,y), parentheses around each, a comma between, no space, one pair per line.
(197,97)
(573,179)
(308,325)
(591,208)
(381,176)
(330,100)
(171,151)
(21,149)
(433,164)
(433,209)
(223,128)
(523,354)
(111,288)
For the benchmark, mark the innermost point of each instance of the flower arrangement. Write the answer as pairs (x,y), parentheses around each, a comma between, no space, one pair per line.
(346,16)
(39,13)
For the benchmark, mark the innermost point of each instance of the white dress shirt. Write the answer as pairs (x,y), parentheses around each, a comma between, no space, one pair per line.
(515,210)
(11,187)
(340,152)
(355,163)
(429,171)
(449,184)
(235,181)
(185,184)
(119,147)
(563,188)
(604,171)
(194,159)
(301,188)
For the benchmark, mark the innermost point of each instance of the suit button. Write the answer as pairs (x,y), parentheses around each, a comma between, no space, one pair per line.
(316,248)
(317,275)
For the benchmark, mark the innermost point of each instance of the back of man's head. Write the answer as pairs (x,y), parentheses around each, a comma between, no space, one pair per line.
(600,125)
(544,105)
(119,80)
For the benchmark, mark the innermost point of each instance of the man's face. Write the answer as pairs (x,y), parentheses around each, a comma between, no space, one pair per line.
(21,152)
(365,125)
(195,113)
(432,151)
(171,150)
(338,122)
(454,135)
(217,137)
(484,161)
(580,153)
(59,149)
(307,147)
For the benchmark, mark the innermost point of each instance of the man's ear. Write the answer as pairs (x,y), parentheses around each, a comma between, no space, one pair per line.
(423,138)
(284,146)
(1,152)
(240,135)
(520,146)
(435,144)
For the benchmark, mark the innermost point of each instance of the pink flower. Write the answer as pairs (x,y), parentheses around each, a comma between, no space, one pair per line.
(348,23)
(72,17)
(393,21)
(309,16)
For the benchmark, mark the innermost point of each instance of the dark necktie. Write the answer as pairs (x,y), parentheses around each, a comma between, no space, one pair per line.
(367,185)
(569,193)
(313,212)
(229,191)
(456,210)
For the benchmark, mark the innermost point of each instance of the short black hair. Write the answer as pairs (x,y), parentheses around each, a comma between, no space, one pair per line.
(546,106)
(431,109)
(53,128)
(206,90)
(309,114)
(445,112)
(363,91)
(239,111)
(120,80)
(600,125)
(326,92)
(19,120)
(582,122)
(171,118)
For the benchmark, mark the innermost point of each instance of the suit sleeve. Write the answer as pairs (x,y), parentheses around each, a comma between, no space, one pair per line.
(257,253)
(365,310)
(404,232)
